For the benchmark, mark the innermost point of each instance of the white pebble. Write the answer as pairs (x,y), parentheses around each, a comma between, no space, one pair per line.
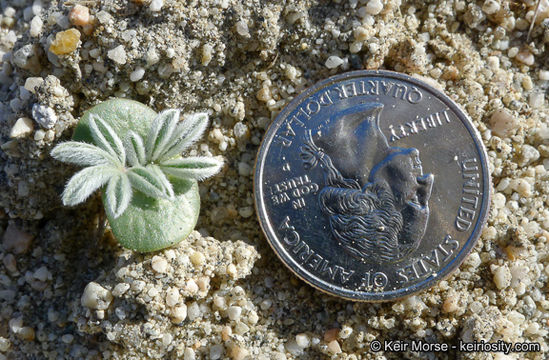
(4,344)
(159,264)
(179,313)
(96,297)
(44,116)
(502,277)
(246,211)
(242,29)
(528,154)
(189,354)
(374,7)
(333,62)
(302,340)
(503,123)
(537,99)
(197,258)
(167,339)
(193,311)
(544,75)
(156,5)
(137,74)
(191,286)
(36,26)
(120,289)
(32,83)
(118,55)
(21,128)
(234,312)
(216,351)
(490,7)
(172,296)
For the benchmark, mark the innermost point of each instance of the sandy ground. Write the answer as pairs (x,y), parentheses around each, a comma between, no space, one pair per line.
(222,293)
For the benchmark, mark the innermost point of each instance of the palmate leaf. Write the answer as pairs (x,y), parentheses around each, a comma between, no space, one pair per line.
(106,138)
(186,133)
(118,195)
(167,121)
(86,181)
(135,149)
(198,168)
(82,154)
(147,181)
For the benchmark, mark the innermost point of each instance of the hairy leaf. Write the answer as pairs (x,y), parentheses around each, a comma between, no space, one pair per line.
(198,168)
(168,188)
(82,154)
(168,119)
(147,182)
(186,133)
(117,195)
(106,138)
(135,150)
(86,181)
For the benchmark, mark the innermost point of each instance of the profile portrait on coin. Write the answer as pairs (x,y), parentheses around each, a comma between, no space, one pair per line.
(375,195)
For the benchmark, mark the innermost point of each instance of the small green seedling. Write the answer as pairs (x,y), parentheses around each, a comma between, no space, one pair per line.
(149,190)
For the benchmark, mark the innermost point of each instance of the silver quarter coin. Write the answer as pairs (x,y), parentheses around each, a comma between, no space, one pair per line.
(372,185)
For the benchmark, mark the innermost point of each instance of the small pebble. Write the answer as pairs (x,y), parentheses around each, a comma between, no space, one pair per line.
(529,154)
(96,297)
(120,289)
(503,123)
(172,297)
(10,263)
(118,55)
(65,42)
(544,75)
(193,311)
(191,287)
(79,15)
(197,258)
(189,354)
(242,29)
(490,7)
(234,312)
(4,344)
(536,100)
(44,116)
(156,5)
(302,340)
(159,264)
(374,7)
(22,128)
(238,353)
(345,332)
(525,57)
(333,347)
(333,61)
(32,83)
(216,351)
(42,274)
(137,74)
(36,26)
(179,313)
(502,277)
(16,240)
(67,338)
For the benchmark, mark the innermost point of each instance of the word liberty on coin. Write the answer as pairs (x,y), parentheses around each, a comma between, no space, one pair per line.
(372,185)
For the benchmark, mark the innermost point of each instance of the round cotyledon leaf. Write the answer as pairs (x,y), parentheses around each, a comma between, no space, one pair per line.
(150,224)
(147,224)
(122,115)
